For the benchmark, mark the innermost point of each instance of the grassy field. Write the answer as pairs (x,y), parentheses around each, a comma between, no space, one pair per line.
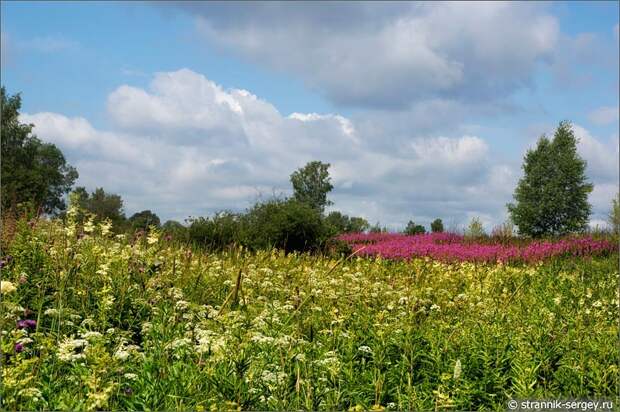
(99,321)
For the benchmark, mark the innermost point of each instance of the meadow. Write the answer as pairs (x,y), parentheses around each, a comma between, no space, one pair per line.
(94,320)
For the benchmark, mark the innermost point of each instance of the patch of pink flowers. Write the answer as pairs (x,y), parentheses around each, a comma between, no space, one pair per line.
(450,247)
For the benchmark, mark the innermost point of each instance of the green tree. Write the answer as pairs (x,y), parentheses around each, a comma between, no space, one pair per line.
(552,196)
(285,224)
(475,228)
(311,184)
(103,205)
(414,229)
(143,220)
(437,226)
(32,171)
(341,223)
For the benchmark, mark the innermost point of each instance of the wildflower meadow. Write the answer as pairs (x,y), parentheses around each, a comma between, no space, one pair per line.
(95,320)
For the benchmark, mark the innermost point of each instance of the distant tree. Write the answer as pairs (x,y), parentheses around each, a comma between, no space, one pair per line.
(143,220)
(175,229)
(614,214)
(311,184)
(341,223)
(475,228)
(377,228)
(32,171)
(414,229)
(437,226)
(552,196)
(103,205)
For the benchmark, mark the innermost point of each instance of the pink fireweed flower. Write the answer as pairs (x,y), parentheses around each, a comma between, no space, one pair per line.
(450,247)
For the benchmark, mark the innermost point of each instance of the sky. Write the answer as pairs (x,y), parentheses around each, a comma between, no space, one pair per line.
(423,110)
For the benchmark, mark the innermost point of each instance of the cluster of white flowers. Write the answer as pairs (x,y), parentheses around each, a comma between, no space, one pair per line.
(181,305)
(91,335)
(7,287)
(33,394)
(72,349)
(124,351)
(365,349)
(273,379)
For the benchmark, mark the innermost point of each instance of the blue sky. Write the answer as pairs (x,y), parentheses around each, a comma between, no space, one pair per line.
(400,98)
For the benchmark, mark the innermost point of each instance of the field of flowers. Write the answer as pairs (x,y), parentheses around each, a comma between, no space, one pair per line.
(92,320)
(450,247)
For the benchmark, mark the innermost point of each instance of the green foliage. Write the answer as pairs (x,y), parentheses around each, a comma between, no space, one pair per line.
(156,325)
(221,231)
(286,224)
(340,223)
(32,171)
(552,196)
(414,229)
(475,229)
(311,184)
(504,232)
(175,229)
(143,220)
(102,205)
(437,226)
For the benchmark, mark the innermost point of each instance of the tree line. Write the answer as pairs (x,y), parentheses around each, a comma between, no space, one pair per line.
(551,199)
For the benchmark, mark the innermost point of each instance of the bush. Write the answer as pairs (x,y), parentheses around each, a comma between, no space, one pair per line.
(413,229)
(475,229)
(338,223)
(284,224)
(218,232)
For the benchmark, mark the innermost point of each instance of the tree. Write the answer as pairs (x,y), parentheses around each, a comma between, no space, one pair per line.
(143,220)
(437,226)
(32,171)
(103,205)
(413,229)
(285,224)
(475,228)
(311,184)
(341,223)
(552,196)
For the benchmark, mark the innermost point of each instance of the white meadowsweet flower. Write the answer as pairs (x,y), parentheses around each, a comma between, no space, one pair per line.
(457,370)
(72,349)
(7,287)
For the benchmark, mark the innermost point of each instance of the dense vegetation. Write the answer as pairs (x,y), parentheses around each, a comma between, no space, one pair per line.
(94,320)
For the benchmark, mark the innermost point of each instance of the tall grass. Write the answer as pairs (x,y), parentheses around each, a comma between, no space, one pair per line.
(137,324)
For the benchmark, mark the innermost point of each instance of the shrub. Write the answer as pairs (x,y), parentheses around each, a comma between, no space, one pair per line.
(284,224)
(475,229)
(218,232)
(413,229)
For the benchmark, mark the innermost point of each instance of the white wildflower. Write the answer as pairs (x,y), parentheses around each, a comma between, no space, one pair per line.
(72,349)
(457,370)
(7,287)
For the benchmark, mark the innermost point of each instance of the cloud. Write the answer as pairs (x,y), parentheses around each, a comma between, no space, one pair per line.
(385,55)
(186,146)
(604,115)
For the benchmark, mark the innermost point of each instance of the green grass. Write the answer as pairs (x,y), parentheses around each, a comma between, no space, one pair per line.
(174,331)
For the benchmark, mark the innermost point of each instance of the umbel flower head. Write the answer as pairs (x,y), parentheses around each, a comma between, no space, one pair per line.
(7,287)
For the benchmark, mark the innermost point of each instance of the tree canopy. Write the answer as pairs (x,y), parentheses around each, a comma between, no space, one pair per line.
(311,184)
(32,171)
(552,196)
(437,226)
